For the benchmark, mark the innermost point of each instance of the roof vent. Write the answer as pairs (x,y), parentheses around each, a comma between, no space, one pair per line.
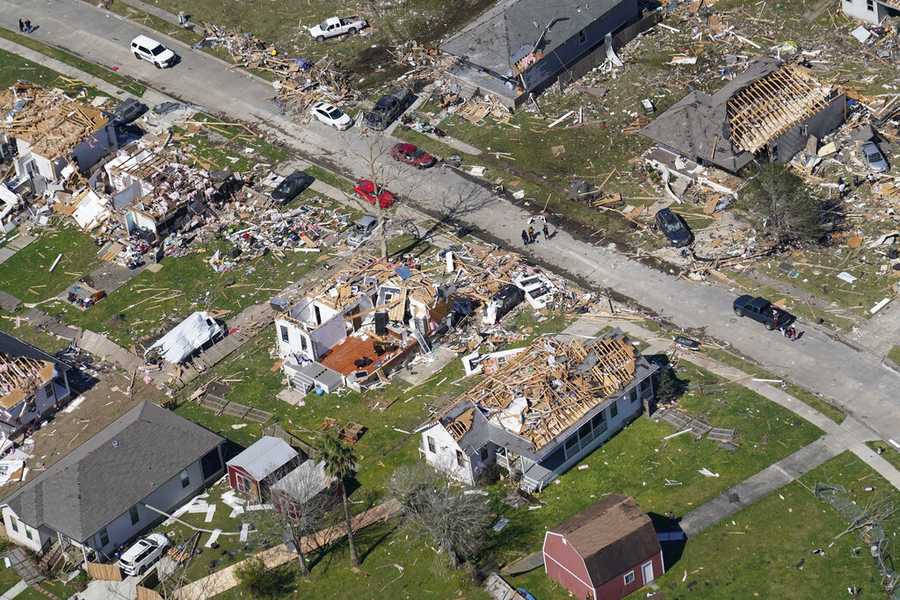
(115,443)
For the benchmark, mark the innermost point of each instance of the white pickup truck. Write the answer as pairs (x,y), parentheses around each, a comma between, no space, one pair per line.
(335,26)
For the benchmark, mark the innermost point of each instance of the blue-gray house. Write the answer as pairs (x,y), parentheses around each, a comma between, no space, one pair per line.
(521,47)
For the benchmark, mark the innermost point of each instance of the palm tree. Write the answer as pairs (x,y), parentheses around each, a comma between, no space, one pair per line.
(340,464)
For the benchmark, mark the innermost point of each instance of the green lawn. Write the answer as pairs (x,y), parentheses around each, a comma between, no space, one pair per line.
(32,335)
(27,275)
(120,81)
(894,355)
(152,303)
(637,462)
(767,551)
(228,147)
(14,68)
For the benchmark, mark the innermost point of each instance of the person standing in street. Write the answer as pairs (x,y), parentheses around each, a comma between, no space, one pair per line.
(546,231)
(524,237)
(21,26)
(532,236)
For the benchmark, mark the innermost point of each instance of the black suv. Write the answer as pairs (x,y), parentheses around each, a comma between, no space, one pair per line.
(388,108)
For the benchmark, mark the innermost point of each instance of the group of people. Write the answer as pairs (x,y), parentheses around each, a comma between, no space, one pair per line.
(530,235)
(25,26)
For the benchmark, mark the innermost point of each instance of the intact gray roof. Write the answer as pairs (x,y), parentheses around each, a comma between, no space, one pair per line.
(504,30)
(111,472)
(264,457)
(697,125)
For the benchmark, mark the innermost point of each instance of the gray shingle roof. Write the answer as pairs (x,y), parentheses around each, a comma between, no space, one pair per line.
(501,32)
(264,457)
(112,471)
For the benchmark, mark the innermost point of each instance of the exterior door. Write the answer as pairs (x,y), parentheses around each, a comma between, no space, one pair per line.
(647,572)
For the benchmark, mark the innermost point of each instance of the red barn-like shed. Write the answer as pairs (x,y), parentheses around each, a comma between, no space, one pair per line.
(605,552)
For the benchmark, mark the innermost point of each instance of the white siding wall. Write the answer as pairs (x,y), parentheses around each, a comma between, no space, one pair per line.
(168,498)
(444,457)
(44,401)
(869,11)
(20,534)
(293,345)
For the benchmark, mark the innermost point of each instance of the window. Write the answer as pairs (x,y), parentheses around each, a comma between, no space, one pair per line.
(614,409)
(303,344)
(483,454)
(870,5)
(284,333)
(572,443)
(431,447)
(598,419)
(584,431)
(460,459)
(185,479)
(633,395)
(582,38)
(134,514)
(28,533)
(103,536)
(14,523)
(629,577)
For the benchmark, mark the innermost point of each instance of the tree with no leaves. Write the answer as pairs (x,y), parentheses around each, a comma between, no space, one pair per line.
(783,206)
(456,521)
(340,463)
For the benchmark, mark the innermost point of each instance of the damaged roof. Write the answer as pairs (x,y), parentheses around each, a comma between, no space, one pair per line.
(729,126)
(111,472)
(514,26)
(543,391)
(612,536)
(23,368)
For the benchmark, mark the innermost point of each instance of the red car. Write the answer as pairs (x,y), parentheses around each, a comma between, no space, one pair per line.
(412,155)
(365,189)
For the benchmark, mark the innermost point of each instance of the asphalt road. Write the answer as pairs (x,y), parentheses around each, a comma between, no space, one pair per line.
(853,378)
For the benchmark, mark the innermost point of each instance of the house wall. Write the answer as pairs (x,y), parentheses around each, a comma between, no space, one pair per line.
(168,497)
(819,125)
(310,341)
(44,401)
(616,588)
(565,566)
(444,457)
(20,533)
(870,11)
(544,72)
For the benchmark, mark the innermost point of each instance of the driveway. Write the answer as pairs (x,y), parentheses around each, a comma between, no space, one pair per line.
(853,378)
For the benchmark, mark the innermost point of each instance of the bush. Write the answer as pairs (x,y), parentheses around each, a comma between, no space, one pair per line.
(261,582)
(783,207)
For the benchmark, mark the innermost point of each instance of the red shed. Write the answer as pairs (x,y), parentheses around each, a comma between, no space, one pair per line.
(255,469)
(605,552)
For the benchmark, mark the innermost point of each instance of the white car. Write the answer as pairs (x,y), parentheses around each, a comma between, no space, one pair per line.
(143,554)
(331,115)
(335,26)
(146,48)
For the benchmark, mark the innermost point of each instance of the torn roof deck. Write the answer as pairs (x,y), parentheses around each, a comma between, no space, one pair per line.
(21,376)
(728,127)
(543,391)
(50,122)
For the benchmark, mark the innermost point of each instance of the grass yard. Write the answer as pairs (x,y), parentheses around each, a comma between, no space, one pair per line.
(888,452)
(894,355)
(152,303)
(755,567)
(47,342)
(120,81)
(14,68)
(27,275)
(232,147)
(637,462)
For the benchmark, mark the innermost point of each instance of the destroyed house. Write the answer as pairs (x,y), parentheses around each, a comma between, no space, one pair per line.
(156,193)
(46,126)
(542,411)
(358,326)
(119,483)
(871,11)
(606,552)
(33,385)
(521,47)
(769,111)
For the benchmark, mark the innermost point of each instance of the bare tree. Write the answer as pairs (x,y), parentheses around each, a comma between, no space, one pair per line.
(382,174)
(457,521)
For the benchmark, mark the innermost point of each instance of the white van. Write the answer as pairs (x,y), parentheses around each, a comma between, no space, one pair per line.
(143,554)
(145,48)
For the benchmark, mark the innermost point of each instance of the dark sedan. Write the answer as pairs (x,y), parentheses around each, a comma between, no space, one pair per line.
(292,186)
(674,228)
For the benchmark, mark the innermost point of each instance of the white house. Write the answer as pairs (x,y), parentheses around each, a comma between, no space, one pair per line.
(33,385)
(871,11)
(116,485)
(542,411)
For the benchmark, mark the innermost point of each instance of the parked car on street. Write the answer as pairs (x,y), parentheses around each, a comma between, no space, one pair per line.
(761,310)
(292,186)
(335,26)
(146,48)
(388,108)
(331,115)
(873,158)
(674,228)
(412,155)
(143,554)
(366,190)
(363,229)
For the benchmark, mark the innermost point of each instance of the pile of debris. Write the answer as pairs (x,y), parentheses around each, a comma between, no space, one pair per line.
(298,81)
